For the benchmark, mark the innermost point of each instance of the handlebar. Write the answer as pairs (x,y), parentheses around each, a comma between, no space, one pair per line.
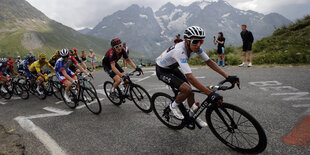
(223,87)
(132,73)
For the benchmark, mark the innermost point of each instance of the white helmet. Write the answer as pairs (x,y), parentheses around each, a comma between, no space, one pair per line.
(64,52)
(194,31)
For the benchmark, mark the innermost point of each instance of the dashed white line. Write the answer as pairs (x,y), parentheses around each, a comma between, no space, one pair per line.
(301,105)
(82,106)
(59,102)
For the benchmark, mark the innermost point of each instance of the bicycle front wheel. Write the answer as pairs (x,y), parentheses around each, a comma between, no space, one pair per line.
(236,128)
(91,101)
(141,98)
(160,104)
(117,99)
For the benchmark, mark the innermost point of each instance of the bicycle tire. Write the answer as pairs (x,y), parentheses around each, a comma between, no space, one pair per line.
(164,114)
(7,95)
(56,90)
(89,97)
(42,89)
(89,85)
(71,104)
(137,95)
(241,115)
(107,88)
(24,94)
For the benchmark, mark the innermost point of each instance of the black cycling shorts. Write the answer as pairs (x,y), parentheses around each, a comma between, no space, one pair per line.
(73,68)
(109,70)
(247,47)
(172,77)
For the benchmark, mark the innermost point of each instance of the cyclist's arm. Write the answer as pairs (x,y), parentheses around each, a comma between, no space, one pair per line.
(51,67)
(216,68)
(128,60)
(197,84)
(81,69)
(63,71)
(115,70)
(39,72)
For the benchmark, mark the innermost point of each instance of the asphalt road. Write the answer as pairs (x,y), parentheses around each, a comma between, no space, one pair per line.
(280,105)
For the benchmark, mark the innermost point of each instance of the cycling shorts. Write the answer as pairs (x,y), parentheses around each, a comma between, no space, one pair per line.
(109,70)
(29,75)
(172,77)
(62,78)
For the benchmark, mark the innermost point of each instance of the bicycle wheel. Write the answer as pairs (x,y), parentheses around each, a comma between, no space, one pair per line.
(141,98)
(88,84)
(7,95)
(91,101)
(48,87)
(236,128)
(56,86)
(118,99)
(71,96)
(160,104)
(21,91)
(41,96)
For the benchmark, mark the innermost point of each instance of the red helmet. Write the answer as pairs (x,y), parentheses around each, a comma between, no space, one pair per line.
(74,49)
(115,41)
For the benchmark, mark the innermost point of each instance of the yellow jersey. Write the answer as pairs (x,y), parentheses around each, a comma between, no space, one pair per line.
(36,66)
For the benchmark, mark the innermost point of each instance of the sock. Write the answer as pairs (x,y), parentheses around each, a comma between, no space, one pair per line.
(174,104)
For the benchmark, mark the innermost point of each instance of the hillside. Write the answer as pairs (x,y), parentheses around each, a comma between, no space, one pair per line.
(287,45)
(25,29)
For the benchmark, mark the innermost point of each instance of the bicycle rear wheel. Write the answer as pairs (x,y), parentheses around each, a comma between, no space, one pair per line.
(116,100)
(236,128)
(160,104)
(141,98)
(91,101)
(22,91)
(56,86)
(71,96)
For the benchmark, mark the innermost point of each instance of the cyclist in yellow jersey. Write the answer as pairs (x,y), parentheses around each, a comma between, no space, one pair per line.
(35,68)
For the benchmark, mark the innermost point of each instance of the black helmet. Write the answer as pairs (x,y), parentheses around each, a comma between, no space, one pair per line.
(115,41)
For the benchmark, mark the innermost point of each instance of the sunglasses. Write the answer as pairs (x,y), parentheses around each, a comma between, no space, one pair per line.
(195,42)
(118,46)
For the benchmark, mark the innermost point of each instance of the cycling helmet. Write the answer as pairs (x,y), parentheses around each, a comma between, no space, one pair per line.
(194,31)
(26,57)
(31,56)
(64,52)
(42,56)
(4,61)
(74,49)
(115,41)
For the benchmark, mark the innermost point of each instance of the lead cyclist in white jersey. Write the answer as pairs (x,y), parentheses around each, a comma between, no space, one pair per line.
(167,71)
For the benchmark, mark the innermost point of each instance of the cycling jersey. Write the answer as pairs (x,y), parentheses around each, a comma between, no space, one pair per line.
(112,57)
(3,70)
(177,56)
(53,60)
(62,65)
(36,66)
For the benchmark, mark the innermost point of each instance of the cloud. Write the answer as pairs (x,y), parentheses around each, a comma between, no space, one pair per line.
(79,14)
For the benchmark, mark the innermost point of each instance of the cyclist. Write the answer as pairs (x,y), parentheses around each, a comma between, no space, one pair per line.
(35,68)
(29,60)
(4,77)
(110,65)
(54,58)
(74,54)
(64,74)
(167,71)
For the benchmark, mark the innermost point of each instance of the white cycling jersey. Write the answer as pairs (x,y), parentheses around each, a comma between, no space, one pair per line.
(176,56)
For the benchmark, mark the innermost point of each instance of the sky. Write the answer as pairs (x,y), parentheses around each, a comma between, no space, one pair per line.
(79,14)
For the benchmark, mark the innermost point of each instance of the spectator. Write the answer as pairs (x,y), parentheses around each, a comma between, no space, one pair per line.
(92,57)
(10,63)
(247,38)
(220,41)
(19,63)
(127,51)
(83,56)
(178,39)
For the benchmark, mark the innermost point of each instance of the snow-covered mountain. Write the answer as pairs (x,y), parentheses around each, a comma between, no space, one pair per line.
(149,32)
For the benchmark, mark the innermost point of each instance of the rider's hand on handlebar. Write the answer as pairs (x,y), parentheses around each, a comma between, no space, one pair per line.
(215,98)
(125,77)
(233,80)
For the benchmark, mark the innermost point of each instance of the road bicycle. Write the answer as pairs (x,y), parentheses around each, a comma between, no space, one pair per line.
(79,92)
(131,91)
(14,87)
(232,125)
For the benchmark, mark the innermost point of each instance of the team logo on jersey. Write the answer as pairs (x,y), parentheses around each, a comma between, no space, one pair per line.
(183,60)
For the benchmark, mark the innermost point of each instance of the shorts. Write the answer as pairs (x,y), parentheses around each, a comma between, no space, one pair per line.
(29,75)
(247,47)
(84,60)
(93,60)
(62,78)
(220,50)
(172,77)
(109,70)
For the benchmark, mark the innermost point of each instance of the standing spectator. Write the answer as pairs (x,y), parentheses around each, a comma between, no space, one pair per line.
(10,63)
(19,63)
(83,57)
(247,38)
(127,51)
(220,41)
(92,57)
(178,39)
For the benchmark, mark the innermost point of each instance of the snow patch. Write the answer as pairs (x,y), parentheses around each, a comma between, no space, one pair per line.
(203,4)
(104,27)
(180,23)
(143,16)
(220,25)
(226,15)
(129,24)
(157,43)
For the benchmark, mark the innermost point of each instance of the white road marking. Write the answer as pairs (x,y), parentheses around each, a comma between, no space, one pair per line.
(101,91)
(59,102)
(293,96)
(301,105)
(154,73)
(3,103)
(82,106)
(265,83)
(280,88)
(101,85)
(200,77)
(40,134)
